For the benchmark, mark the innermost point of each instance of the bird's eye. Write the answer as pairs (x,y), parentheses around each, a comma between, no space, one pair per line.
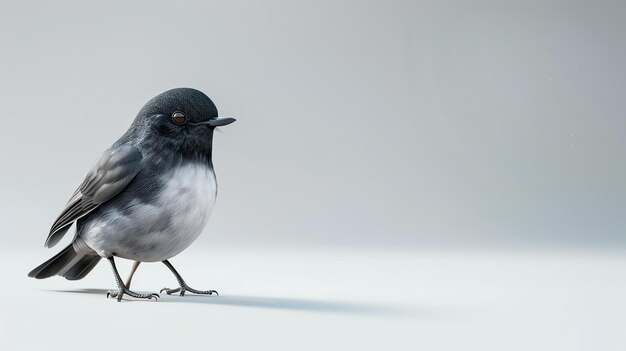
(179,117)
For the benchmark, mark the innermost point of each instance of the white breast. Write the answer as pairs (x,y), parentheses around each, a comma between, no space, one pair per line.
(161,229)
(188,198)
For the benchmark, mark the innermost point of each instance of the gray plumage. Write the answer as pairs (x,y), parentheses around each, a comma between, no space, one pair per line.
(114,170)
(148,196)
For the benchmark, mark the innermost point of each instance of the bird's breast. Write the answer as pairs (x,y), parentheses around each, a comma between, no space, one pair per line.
(158,229)
(188,198)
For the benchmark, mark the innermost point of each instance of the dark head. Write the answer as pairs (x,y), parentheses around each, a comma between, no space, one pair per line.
(180,120)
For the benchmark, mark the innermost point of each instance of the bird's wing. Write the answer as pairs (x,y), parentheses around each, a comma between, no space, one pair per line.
(113,171)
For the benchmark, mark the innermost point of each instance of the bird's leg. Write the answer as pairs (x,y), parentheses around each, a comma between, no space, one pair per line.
(132,272)
(122,289)
(183,286)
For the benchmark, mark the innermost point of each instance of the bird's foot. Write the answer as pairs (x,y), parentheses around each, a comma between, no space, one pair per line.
(120,292)
(184,288)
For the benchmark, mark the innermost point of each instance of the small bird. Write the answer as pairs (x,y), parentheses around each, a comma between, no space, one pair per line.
(147,198)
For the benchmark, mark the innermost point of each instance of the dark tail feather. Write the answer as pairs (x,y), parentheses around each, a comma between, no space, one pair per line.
(54,265)
(68,263)
(82,267)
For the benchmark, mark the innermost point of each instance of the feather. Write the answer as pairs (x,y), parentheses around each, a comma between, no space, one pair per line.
(111,174)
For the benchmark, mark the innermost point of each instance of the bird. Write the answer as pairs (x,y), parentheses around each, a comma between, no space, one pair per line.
(147,198)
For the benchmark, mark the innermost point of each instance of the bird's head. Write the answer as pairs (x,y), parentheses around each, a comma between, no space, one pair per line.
(181,120)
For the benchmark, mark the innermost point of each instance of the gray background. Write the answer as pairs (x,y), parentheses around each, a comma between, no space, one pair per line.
(389,123)
(406,175)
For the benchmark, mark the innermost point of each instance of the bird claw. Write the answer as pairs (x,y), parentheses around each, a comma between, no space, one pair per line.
(185,288)
(120,293)
(156,296)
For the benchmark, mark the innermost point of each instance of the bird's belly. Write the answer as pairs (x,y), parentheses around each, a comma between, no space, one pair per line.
(161,229)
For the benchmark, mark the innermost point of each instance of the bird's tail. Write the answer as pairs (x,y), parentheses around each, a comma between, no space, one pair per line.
(74,262)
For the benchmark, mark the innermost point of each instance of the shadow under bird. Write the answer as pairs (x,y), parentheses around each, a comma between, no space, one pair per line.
(147,198)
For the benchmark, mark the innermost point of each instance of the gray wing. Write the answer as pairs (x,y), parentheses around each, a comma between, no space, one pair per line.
(113,171)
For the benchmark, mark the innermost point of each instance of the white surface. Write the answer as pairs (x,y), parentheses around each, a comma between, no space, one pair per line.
(329,299)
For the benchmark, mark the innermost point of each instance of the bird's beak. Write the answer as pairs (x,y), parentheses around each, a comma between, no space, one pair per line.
(219,121)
